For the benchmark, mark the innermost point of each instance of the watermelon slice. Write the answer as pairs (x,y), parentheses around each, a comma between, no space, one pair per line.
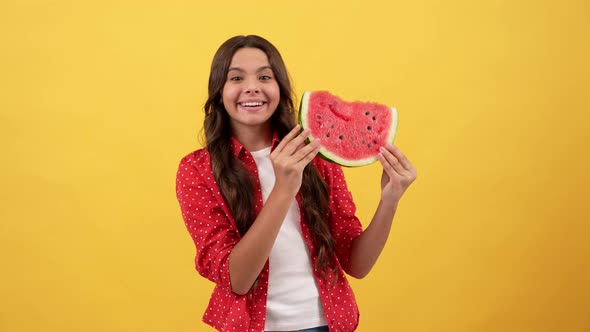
(351,133)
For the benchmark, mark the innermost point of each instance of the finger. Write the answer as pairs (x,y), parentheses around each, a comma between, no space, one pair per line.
(292,146)
(306,150)
(391,160)
(301,146)
(309,156)
(387,168)
(399,156)
(288,138)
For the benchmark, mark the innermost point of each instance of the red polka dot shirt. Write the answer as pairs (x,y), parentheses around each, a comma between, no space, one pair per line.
(208,219)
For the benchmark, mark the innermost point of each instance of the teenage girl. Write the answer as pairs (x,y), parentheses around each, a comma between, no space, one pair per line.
(274,226)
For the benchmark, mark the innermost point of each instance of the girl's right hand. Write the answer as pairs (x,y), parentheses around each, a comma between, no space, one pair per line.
(290,157)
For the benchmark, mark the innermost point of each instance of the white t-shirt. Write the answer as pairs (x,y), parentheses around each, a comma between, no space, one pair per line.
(293,299)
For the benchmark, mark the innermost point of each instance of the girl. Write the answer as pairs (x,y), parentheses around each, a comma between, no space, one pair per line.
(274,226)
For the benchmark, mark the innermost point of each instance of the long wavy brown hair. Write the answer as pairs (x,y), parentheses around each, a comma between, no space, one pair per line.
(234,181)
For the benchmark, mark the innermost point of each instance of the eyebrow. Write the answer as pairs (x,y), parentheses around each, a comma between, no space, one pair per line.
(242,70)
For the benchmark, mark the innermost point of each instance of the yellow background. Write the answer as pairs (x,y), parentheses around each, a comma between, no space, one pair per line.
(99,100)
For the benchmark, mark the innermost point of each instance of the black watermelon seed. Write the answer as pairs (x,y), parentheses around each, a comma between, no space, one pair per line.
(328,135)
(340,137)
(367,113)
(369,127)
(374,118)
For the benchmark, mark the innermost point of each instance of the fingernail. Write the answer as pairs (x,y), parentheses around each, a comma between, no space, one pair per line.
(297,126)
(382,149)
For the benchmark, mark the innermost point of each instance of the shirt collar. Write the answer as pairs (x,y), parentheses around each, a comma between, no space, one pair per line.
(238,149)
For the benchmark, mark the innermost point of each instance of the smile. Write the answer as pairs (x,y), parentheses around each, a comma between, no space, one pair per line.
(252,103)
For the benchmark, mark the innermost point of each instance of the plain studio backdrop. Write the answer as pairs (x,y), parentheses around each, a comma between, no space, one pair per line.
(99,100)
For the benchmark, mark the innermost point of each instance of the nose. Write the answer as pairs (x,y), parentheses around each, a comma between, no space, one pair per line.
(252,87)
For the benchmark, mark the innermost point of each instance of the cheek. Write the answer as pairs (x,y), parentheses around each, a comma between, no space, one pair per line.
(276,92)
(227,93)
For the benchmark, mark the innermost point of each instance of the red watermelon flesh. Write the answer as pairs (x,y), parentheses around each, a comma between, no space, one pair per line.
(351,133)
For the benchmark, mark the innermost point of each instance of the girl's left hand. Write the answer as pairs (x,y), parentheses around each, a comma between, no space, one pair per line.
(398,173)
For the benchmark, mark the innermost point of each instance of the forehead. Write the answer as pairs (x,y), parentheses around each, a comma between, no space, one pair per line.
(249,58)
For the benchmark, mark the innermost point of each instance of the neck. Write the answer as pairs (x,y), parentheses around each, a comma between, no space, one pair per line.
(254,139)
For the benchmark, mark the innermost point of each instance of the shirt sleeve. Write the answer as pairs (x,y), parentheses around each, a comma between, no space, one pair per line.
(344,224)
(206,219)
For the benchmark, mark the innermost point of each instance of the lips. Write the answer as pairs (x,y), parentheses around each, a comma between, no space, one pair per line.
(252,106)
(252,103)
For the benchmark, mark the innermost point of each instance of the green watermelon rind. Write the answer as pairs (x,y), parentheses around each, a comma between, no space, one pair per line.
(327,154)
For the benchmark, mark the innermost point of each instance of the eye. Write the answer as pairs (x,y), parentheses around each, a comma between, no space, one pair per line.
(265,78)
(235,78)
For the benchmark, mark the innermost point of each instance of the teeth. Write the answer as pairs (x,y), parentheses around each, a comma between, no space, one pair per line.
(257,103)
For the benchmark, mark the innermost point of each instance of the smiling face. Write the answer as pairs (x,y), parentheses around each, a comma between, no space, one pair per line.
(251,93)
